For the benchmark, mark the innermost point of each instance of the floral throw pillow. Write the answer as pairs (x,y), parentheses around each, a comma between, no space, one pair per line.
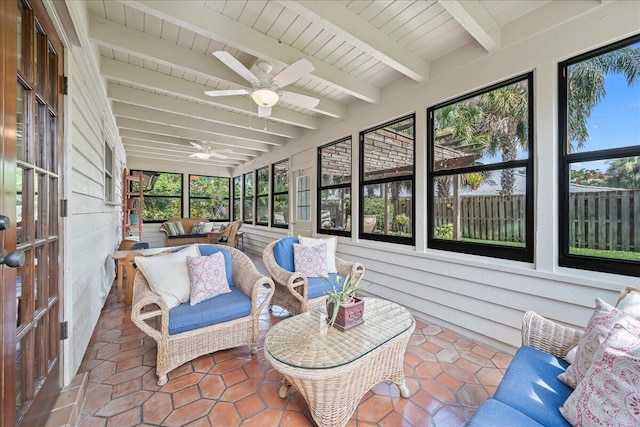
(602,320)
(609,394)
(208,277)
(198,228)
(310,260)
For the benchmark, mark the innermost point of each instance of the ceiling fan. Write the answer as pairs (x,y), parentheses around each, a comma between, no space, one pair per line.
(265,90)
(204,152)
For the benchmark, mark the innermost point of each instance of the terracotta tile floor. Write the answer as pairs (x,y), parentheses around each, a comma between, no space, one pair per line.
(448,376)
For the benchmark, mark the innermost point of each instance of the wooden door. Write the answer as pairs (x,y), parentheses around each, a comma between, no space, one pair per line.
(29,196)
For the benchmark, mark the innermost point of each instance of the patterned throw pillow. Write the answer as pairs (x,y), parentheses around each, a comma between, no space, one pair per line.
(609,394)
(208,227)
(174,228)
(208,277)
(310,260)
(331,249)
(198,228)
(602,320)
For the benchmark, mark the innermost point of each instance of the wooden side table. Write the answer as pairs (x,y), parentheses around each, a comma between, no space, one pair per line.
(240,238)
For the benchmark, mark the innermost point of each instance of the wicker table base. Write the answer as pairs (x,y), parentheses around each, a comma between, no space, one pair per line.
(332,370)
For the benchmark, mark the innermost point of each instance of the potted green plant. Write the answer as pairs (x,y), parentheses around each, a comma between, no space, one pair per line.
(344,309)
(474,180)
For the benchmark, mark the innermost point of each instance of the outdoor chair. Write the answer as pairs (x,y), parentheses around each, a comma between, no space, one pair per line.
(186,332)
(294,291)
(225,237)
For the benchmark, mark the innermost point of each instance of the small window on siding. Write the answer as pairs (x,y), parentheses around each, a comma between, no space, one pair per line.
(108,173)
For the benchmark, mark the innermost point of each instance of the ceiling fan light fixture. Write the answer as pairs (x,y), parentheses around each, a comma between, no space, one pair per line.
(265,97)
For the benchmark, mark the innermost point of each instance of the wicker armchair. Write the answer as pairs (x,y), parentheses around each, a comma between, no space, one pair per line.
(292,289)
(547,335)
(225,237)
(151,314)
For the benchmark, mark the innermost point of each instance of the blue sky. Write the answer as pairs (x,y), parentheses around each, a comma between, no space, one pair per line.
(615,121)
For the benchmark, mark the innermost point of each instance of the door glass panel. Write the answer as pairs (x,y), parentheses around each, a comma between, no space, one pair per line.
(303,199)
(41,58)
(41,278)
(53,209)
(41,207)
(21,125)
(20,36)
(41,134)
(53,77)
(21,228)
(52,160)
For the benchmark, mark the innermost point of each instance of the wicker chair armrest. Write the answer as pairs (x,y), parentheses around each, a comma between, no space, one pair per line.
(547,335)
(144,300)
(353,269)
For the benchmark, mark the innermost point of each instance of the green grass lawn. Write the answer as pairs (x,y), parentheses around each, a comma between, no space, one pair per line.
(629,256)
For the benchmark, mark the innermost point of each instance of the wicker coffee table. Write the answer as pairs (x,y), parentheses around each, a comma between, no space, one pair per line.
(332,370)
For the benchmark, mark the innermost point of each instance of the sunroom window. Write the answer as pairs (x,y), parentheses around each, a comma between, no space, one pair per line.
(237,198)
(262,196)
(247,198)
(209,197)
(334,188)
(387,182)
(162,200)
(280,194)
(480,174)
(600,159)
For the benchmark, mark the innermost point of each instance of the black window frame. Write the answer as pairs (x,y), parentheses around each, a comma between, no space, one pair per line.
(274,194)
(258,196)
(514,253)
(566,159)
(228,198)
(147,197)
(245,198)
(237,196)
(410,241)
(322,188)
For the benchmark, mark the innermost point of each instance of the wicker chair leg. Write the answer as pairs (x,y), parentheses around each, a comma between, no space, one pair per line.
(162,379)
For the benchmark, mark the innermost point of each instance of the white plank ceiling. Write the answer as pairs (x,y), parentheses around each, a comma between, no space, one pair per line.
(156,59)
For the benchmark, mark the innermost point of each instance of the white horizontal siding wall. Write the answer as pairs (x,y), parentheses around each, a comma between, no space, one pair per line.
(483,297)
(92,228)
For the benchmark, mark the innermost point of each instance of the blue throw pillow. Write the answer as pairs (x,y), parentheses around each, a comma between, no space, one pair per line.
(283,253)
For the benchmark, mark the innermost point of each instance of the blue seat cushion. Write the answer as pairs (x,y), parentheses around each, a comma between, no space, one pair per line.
(531,386)
(283,253)
(206,250)
(494,413)
(318,287)
(223,308)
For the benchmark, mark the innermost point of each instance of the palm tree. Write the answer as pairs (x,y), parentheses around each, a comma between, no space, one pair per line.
(625,173)
(586,87)
(506,120)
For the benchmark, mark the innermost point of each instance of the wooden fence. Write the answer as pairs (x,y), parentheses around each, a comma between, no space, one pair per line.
(608,220)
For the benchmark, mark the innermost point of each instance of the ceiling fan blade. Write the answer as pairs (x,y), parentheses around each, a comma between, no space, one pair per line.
(231,62)
(264,111)
(193,156)
(227,92)
(293,72)
(195,144)
(218,155)
(223,150)
(303,101)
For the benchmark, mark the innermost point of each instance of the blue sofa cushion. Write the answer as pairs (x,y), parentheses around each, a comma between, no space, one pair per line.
(531,386)
(206,250)
(222,308)
(318,287)
(494,413)
(283,253)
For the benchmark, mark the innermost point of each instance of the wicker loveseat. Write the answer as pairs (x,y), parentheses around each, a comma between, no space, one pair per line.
(187,238)
(531,394)
(295,292)
(186,332)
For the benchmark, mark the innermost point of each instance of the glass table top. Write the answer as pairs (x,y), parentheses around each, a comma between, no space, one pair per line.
(307,341)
